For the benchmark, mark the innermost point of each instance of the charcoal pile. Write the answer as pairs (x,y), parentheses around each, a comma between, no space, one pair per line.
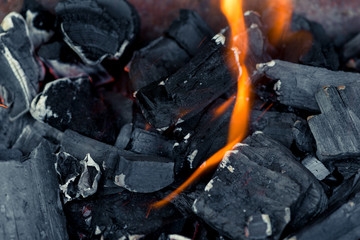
(97,126)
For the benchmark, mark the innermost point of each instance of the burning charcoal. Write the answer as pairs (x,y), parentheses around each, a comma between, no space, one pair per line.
(150,143)
(341,224)
(70,103)
(124,136)
(20,73)
(144,174)
(31,199)
(321,52)
(337,129)
(98,29)
(77,178)
(316,167)
(297,84)
(157,60)
(188,91)
(63,62)
(274,124)
(259,167)
(190,31)
(304,139)
(352,48)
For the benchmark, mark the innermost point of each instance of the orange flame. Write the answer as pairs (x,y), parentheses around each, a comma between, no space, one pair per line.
(2,103)
(233,10)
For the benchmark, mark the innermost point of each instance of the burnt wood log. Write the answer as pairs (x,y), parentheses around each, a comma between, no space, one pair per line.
(30,204)
(296,85)
(258,172)
(188,91)
(337,129)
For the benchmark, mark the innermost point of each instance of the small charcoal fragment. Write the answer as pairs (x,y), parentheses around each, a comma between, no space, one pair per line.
(341,224)
(303,137)
(188,91)
(20,71)
(316,167)
(297,84)
(31,198)
(144,174)
(337,129)
(98,29)
(70,103)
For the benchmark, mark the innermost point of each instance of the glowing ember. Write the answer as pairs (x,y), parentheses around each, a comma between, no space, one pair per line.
(2,103)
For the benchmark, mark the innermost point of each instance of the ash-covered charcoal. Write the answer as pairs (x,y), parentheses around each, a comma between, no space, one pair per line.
(190,31)
(303,137)
(316,167)
(277,125)
(63,62)
(192,88)
(296,85)
(150,143)
(77,178)
(30,204)
(321,52)
(144,173)
(268,180)
(341,224)
(258,227)
(70,103)
(20,71)
(351,49)
(98,29)
(337,129)
(125,215)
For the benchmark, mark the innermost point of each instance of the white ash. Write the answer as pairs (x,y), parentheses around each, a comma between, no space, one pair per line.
(219,39)
(162,129)
(179,121)
(87,188)
(316,167)
(177,237)
(176,144)
(97,230)
(187,136)
(162,83)
(193,207)
(266,219)
(209,186)
(287,217)
(122,49)
(37,36)
(191,157)
(268,64)
(39,110)
(277,87)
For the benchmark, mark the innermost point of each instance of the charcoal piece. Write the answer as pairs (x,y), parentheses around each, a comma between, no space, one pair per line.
(252,17)
(20,73)
(119,215)
(144,174)
(351,48)
(297,84)
(158,60)
(274,124)
(150,143)
(303,137)
(70,103)
(63,62)
(337,129)
(261,170)
(341,224)
(347,167)
(10,154)
(98,29)
(30,198)
(321,52)
(34,133)
(259,227)
(316,167)
(190,31)
(188,91)
(77,178)
(124,136)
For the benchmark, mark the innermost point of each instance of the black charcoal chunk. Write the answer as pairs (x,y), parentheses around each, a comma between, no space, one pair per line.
(124,136)
(190,31)
(303,137)
(259,176)
(30,204)
(77,178)
(347,167)
(337,129)
(63,62)
(277,125)
(188,91)
(297,84)
(98,29)
(144,174)
(341,224)
(321,52)
(150,143)
(20,71)
(316,167)
(71,103)
(156,61)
